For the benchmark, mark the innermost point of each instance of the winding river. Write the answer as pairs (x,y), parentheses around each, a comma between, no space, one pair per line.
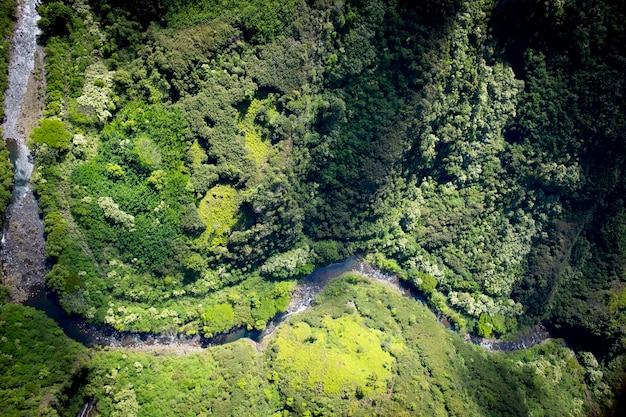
(302,299)
(22,251)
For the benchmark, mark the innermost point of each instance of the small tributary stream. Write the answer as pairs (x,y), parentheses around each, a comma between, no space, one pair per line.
(22,251)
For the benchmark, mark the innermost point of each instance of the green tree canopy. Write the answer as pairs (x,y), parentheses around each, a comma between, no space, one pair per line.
(53,133)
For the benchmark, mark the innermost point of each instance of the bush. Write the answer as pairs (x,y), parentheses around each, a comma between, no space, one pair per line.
(52,133)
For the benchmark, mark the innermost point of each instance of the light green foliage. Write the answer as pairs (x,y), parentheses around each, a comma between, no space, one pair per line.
(433,371)
(485,326)
(342,355)
(158,179)
(52,133)
(288,264)
(219,212)
(147,152)
(196,154)
(141,302)
(115,170)
(125,403)
(617,301)
(380,261)
(218,318)
(96,91)
(425,282)
(361,350)
(224,380)
(258,145)
(112,211)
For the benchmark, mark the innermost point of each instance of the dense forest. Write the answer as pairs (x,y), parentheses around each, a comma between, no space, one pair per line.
(197,158)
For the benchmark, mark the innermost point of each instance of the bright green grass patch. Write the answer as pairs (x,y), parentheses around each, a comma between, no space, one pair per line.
(341,356)
(259,148)
(219,211)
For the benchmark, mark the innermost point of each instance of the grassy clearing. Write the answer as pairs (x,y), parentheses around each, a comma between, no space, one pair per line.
(341,356)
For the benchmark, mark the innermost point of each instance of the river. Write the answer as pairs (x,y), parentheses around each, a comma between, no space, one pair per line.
(22,252)
(302,299)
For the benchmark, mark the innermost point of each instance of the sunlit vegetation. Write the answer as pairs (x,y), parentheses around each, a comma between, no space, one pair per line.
(341,355)
(218,209)
(198,157)
(362,350)
(52,133)
(225,380)
(258,146)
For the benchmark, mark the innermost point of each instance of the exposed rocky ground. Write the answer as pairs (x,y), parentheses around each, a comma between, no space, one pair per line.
(22,254)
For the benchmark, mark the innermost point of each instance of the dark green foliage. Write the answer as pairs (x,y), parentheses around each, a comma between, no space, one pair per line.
(328,251)
(7,11)
(190,221)
(261,20)
(56,233)
(7,20)
(572,109)
(6,179)
(38,363)
(5,294)
(55,19)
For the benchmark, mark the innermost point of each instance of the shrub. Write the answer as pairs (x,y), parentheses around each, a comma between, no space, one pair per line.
(52,133)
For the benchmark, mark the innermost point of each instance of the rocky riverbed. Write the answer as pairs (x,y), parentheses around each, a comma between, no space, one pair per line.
(22,253)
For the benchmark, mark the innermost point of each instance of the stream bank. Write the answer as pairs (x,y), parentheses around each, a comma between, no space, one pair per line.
(22,253)
(303,298)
